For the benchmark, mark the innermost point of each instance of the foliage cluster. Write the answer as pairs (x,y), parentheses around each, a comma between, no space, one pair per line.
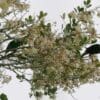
(54,60)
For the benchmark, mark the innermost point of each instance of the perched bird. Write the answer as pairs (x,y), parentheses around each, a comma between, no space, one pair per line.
(13,45)
(93,49)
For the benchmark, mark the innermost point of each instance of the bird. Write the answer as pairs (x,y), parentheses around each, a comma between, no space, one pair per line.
(13,45)
(93,49)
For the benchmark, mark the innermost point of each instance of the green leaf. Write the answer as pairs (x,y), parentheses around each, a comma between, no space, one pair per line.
(80,9)
(68,27)
(83,40)
(74,22)
(63,16)
(42,14)
(94,41)
(38,94)
(87,3)
(30,18)
(3,97)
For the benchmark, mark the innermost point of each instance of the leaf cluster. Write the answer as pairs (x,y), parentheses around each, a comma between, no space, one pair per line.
(55,61)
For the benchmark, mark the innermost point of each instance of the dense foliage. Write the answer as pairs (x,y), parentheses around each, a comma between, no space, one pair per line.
(54,59)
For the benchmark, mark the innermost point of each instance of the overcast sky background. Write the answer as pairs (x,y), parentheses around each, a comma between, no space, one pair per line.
(19,90)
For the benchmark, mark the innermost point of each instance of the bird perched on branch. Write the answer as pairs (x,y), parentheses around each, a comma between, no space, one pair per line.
(93,49)
(13,45)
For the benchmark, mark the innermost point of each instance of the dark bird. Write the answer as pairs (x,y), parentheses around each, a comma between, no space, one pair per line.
(93,49)
(13,45)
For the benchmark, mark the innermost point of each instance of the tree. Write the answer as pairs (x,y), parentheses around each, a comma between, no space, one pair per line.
(55,61)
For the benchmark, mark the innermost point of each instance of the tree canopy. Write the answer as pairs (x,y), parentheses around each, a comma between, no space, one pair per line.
(54,59)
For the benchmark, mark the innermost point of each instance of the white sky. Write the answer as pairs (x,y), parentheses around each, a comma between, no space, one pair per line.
(19,90)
